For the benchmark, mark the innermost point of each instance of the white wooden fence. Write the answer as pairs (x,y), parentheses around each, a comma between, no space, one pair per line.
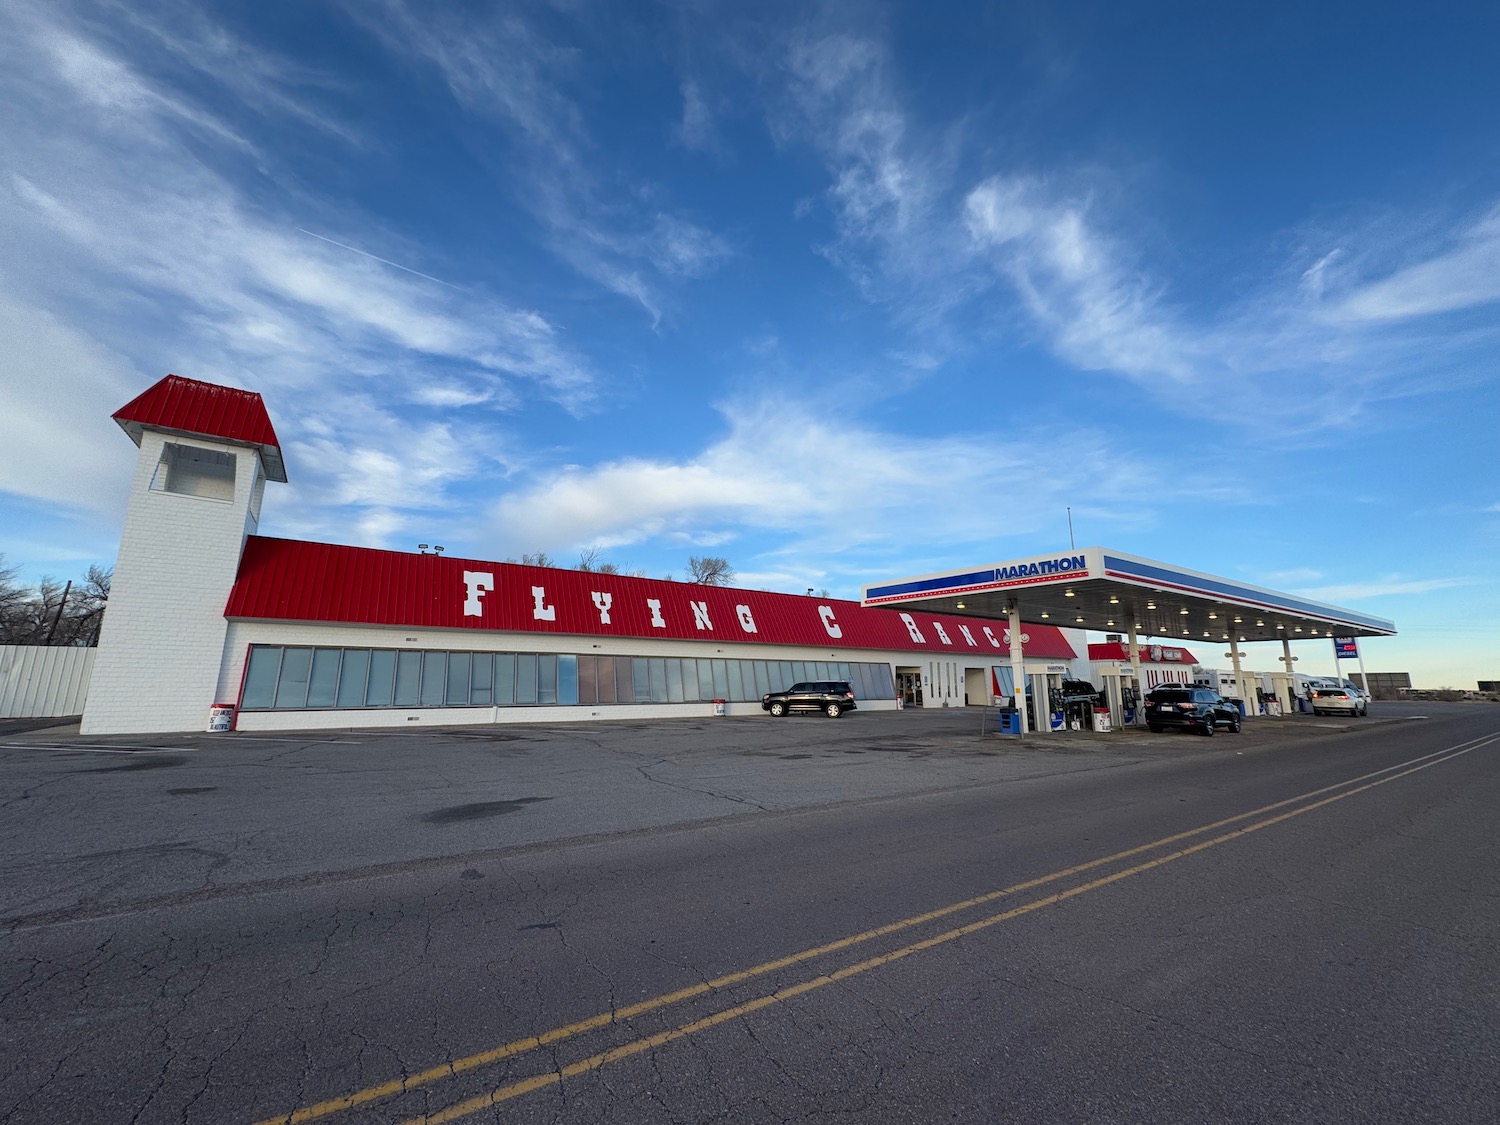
(37,682)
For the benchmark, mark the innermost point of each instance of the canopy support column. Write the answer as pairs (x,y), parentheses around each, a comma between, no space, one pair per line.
(1284,688)
(1239,681)
(1017,661)
(1135,670)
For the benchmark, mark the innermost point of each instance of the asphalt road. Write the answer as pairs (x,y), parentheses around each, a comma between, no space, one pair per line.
(883,918)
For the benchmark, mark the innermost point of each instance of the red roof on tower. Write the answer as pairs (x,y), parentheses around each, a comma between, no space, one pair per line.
(191,407)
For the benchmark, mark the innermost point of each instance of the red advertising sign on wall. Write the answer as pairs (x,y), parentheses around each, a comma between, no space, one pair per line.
(293,580)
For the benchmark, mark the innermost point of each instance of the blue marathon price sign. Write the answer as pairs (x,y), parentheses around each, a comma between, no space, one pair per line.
(1344,648)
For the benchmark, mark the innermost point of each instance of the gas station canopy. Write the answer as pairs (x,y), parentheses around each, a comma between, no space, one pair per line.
(1103,590)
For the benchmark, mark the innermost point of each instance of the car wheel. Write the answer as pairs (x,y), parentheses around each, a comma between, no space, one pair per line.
(833,710)
(1207,730)
(1154,728)
(778,708)
(1236,725)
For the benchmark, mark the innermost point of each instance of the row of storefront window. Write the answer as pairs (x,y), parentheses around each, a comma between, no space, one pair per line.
(284,677)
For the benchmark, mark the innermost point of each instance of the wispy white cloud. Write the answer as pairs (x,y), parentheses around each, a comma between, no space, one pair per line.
(695,130)
(116,204)
(1383,587)
(1102,315)
(836,494)
(1464,276)
(1298,576)
(506,69)
(1056,258)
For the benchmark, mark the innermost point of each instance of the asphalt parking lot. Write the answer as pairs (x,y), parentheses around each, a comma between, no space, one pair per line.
(95,824)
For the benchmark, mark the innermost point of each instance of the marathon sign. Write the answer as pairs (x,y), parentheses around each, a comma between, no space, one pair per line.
(1066,564)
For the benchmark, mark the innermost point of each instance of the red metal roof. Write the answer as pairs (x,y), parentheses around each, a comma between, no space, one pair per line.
(293,580)
(188,406)
(1151,653)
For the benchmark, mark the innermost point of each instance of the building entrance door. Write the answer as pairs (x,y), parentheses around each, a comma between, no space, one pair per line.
(909,686)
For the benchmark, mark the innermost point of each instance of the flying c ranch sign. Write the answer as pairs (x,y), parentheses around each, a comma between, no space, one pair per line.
(290,580)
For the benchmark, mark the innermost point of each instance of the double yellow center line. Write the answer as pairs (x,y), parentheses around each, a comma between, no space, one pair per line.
(1246,823)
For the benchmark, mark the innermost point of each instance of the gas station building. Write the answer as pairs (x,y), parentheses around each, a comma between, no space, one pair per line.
(207,616)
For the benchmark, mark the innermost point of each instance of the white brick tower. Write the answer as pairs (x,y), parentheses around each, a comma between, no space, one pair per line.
(206,453)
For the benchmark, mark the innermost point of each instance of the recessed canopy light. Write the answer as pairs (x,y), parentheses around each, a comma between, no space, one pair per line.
(1183,611)
(1045,613)
(1184,632)
(1079,620)
(1260,624)
(1114,600)
(1205,632)
(1110,624)
(1150,605)
(1238,619)
(1298,629)
(1213,615)
(960,605)
(1069,594)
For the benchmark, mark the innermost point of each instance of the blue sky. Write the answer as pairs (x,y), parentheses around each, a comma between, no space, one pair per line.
(842,292)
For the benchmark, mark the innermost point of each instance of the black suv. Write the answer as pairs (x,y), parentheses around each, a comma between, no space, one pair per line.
(832,697)
(1190,708)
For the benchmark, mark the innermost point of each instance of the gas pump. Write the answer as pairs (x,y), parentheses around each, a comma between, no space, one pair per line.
(1044,695)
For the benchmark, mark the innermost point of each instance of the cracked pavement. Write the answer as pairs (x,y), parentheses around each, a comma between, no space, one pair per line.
(263,925)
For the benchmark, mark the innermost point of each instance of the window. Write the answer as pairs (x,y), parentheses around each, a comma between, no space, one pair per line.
(260,677)
(352,678)
(325,677)
(482,684)
(505,679)
(525,679)
(567,680)
(408,678)
(546,679)
(606,679)
(459,665)
(291,684)
(432,678)
(380,691)
(190,471)
(298,677)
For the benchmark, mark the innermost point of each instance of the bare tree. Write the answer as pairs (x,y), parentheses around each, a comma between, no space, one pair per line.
(13,598)
(709,570)
(540,558)
(53,613)
(588,561)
